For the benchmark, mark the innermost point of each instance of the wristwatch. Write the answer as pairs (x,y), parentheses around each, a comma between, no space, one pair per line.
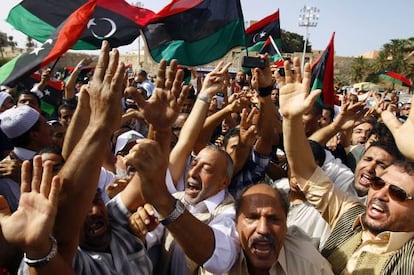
(178,210)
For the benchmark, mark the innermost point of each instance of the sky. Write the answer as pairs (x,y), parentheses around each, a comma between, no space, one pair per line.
(360,26)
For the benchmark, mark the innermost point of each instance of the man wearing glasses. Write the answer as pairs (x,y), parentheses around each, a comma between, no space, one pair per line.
(376,238)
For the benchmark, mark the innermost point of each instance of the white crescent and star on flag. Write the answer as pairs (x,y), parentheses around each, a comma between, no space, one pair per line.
(37,50)
(109,21)
(259,36)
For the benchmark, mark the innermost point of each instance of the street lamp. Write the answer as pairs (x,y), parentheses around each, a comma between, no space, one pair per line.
(308,17)
(139,5)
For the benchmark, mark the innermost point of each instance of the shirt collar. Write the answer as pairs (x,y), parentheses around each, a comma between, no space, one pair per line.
(395,240)
(24,154)
(213,201)
(282,260)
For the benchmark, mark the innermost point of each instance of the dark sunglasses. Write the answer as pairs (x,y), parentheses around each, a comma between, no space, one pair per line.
(395,192)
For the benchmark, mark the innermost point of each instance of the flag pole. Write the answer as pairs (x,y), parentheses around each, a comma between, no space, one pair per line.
(275,46)
(54,64)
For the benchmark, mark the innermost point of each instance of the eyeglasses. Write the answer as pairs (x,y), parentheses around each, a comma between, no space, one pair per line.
(395,192)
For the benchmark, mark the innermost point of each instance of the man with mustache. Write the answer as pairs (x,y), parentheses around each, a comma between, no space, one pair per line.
(268,246)
(374,239)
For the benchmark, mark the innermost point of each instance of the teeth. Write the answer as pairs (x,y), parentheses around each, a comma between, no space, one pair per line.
(378,208)
(262,249)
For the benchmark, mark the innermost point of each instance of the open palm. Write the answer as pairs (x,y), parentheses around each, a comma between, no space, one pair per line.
(294,92)
(32,223)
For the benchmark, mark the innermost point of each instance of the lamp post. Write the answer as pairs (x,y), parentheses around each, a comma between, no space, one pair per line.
(308,17)
(139,5)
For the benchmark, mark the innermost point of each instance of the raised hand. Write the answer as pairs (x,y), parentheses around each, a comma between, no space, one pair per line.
(150,163)
(163,107)
(31,224)
(402,133)
(294,96)
(349,113)
(216,80)
(106,89)
(10,168)
(262,78)
(143,221)
(248,128)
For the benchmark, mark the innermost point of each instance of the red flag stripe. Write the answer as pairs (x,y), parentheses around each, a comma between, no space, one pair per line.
(265,21)
(71,31)
(176,6)
(140,16)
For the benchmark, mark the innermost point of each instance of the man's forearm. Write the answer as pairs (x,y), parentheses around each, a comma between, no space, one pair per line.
(79,177)
(297,148)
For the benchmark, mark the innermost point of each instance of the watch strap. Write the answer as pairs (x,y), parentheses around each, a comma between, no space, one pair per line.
(178,210)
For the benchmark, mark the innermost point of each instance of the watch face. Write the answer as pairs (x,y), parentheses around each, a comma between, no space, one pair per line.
(179,206)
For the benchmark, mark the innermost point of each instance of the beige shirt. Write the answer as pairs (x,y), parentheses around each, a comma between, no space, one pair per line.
(332,203)
(297,257)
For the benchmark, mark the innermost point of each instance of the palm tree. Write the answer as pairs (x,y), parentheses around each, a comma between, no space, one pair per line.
(359,69)
(3,43)
(30,44)
(12,43)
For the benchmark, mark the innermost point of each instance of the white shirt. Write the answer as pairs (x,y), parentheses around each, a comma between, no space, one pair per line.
(225,234)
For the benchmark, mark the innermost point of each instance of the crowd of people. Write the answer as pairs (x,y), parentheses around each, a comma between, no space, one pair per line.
(251,175)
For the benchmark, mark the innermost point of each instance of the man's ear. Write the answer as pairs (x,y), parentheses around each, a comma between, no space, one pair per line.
(226,182)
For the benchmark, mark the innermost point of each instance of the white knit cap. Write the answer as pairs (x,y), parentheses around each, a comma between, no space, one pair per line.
(3,96)
(18,120)
(125,138)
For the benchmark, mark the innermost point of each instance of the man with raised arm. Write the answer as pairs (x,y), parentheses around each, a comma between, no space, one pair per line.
(93,238)
(376,238)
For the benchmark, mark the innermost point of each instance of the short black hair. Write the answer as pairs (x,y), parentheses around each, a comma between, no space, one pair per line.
(51,149)
(390,147)
(66,106)
(27,92)
(331,111)
(284,201)
(143,73)
(234,132)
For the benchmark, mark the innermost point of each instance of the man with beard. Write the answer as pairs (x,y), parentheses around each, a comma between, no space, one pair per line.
(377,157)
(200,224)
(376,239)
(269,247)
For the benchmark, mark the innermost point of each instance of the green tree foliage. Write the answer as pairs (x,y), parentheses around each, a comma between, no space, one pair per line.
(293,42)
(394,56)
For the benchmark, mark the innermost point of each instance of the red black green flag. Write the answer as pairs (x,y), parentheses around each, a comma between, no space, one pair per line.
(195,32)
(115,21)
(61,40)
(269,48)
(257,33)
(323,75)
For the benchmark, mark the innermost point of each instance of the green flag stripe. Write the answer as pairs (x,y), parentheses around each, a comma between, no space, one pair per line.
(7,68)
(202,51)
(31,25)
(47,108)
(318,84)
(256,47)
(36,28)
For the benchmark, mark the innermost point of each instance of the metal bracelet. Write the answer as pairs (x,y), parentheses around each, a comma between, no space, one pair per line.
(42,261)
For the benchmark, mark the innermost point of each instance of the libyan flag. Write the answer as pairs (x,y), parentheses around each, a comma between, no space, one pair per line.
(115,21)
(323,75)
(259,32)
(195,32)
(61,40)
(270,50)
